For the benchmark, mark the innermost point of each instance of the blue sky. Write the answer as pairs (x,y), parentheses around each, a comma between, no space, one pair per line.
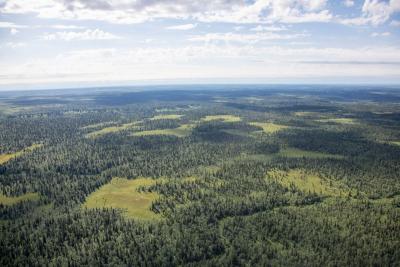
(63,43)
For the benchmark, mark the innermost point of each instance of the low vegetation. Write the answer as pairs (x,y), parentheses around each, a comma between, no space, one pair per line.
(269,127)
(6,157)
(224,118)
(307,182)
(113,129)
(339,120)
(10,200)
(123,194)
(167,117)
(181,131)
(298,153)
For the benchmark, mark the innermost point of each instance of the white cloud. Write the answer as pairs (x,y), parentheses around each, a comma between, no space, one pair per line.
(299,11)
(82,35)
(395,23)
(15,45)
(6,24)
(183,27)
(122,11)
(375,12)
(148,40)
(205,61)
(243,38)
(67,27)
(260,28)
(377,34)
(348,3)
(14,31)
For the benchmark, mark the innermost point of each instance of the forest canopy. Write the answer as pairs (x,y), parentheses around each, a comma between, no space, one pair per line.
(260,176)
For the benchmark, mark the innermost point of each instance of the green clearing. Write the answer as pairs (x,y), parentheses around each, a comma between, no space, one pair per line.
(397,143)
(298,153)
(6,109)
(6,157)
(269,127)
(123,194)
(345,121)
(8,201)
(225,118)
(211,168)
(307,182)
(112,129)
(181,131)
(167,117)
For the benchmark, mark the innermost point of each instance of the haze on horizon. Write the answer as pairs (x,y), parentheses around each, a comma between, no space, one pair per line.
(64,43)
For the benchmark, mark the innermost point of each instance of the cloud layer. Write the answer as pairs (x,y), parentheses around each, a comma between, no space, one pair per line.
(81,35)
(124,40)
(121,11)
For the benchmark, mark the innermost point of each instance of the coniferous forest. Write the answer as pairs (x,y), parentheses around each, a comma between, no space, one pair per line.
(201,176)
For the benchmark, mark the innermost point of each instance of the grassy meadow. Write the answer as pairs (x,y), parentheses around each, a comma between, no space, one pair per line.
(181,131)
(112,129)
(167,117)
(121,193)
(306,182)
(6,157)
(8,201)
(344,121)
(269,127)
(298,153)
(224,118)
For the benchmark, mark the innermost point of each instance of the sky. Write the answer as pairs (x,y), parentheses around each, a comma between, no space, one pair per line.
(69,43)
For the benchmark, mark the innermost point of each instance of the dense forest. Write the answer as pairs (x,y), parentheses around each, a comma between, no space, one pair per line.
(201,176)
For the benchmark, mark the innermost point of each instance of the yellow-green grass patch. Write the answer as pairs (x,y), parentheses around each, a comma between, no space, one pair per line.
(397,143)
(7,109)
(8,201)
(298,153)
(345,121)
(121,193)
(6,157)
(307,182)
(167,117)
(269,127)
(181,131)
(211,168)
(113,129)
(225,118)
(386,200)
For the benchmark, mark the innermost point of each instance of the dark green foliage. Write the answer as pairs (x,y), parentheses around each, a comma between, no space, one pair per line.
(227,213)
